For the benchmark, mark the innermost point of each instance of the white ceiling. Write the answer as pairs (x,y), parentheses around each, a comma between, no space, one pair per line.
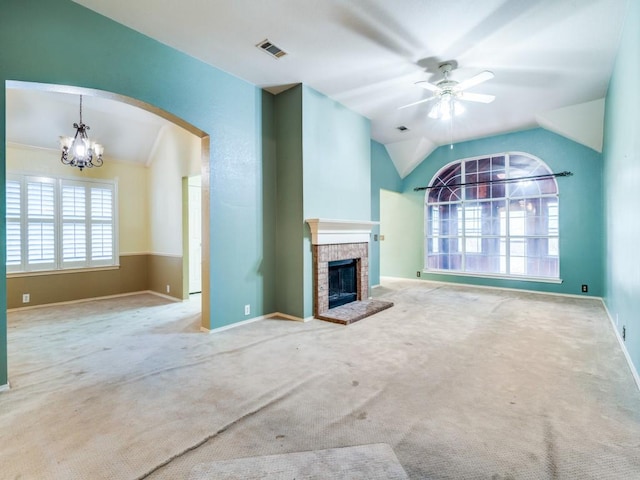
(38,117)
(367,54)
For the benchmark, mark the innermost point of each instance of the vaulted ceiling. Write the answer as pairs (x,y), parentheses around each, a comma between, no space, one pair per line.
(552,59)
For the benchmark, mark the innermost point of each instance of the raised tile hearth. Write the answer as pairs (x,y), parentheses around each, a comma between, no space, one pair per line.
(354,311)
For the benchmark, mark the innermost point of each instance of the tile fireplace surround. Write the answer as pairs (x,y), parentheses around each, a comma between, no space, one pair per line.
(338,240)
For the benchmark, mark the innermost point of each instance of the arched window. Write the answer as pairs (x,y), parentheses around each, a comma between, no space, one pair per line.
(481,220)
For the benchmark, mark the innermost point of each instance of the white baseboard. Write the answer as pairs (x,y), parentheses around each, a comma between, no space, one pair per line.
(5,388)
(233,325)
(282,316)
(492,287)
(285,316)
(91,299)
(632,367)
(162,295)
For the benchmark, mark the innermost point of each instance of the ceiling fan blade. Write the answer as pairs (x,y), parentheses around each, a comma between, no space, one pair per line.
(417,103)
(428,86)
(476,97)
(475,80)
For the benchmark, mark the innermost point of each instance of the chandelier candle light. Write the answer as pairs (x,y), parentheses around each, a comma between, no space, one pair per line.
(79,151)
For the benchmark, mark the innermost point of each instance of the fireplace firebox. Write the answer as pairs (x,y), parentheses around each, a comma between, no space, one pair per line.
(343,282)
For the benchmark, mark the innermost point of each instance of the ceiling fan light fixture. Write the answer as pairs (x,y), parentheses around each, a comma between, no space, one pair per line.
(446,108)
(449,92)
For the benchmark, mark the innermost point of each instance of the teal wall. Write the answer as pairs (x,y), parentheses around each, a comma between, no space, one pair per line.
(581,214)
(41,43)
(337,160)
(337,169)
(622,184)
(290,217)
(384,176)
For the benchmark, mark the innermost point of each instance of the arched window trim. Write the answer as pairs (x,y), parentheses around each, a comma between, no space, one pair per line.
(505,238)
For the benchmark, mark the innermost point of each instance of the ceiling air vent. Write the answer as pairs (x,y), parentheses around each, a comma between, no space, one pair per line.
(271,49)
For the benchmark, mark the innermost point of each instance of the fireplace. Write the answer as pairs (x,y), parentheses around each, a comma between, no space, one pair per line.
(343,282)
(341,271)
(339,243)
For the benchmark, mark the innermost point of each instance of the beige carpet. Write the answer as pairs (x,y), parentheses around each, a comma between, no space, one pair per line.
(462,383)
(365,462)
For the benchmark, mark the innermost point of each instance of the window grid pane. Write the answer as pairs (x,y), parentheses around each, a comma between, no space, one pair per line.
(13,194)
(73,202)
(495,227)
(101,241)
(101,204)
(14,243)
(74,242)
(40,200)
(41,242)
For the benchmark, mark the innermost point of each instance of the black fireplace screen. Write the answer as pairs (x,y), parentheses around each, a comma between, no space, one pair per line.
(343,282)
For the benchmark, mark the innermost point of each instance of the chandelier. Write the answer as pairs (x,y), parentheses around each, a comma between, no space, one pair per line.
(79,151)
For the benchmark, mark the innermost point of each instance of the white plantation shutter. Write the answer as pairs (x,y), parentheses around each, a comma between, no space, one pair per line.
(14,225)
(102,226)
(74,225)
(41,206)
(59,224)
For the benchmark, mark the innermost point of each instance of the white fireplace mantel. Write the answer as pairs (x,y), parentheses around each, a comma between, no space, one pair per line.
(328,232)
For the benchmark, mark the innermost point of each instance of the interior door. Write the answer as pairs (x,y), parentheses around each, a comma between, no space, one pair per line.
(195,235)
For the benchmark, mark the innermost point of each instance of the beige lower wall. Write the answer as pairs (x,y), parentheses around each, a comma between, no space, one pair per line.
(131,276)
(166,270)
(137,273)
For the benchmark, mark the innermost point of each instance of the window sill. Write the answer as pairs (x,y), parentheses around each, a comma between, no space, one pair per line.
(496,277)
(41,273)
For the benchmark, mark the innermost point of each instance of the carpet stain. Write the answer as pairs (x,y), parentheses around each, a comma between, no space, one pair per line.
(362,416)
(549,441)
(280,437)
(355,383)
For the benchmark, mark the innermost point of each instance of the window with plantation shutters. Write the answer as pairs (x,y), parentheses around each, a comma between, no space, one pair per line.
(55,224)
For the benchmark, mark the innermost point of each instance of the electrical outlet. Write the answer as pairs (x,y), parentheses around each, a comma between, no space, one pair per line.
(247,309)
(585,288)
(168,288)
(26,298)
(418,274)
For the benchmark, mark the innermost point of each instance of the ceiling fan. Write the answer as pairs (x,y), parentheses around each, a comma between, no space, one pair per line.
(447,91)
